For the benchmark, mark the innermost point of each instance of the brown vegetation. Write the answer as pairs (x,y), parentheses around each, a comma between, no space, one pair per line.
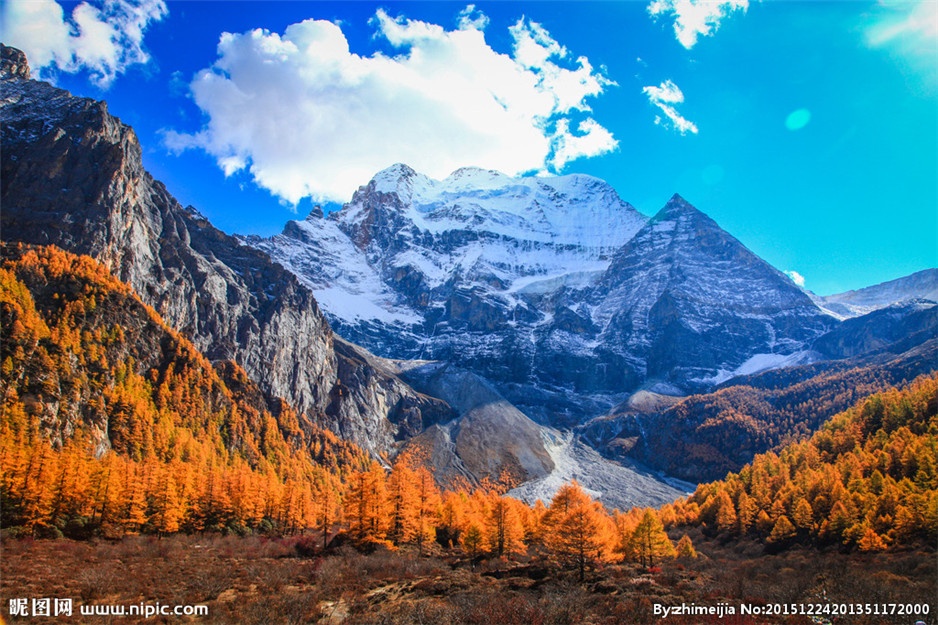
(260,580)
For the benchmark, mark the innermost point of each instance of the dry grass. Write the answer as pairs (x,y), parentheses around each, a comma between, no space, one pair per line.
(265,581)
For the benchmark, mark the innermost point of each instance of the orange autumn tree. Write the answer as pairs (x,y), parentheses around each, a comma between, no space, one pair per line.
(112,422)
(577,530)
(427,509)
(649,540)
(402,502)
(366,505)
(503,530)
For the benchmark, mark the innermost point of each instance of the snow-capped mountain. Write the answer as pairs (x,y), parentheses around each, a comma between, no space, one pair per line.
(555,289)
(919,285)
(410,258)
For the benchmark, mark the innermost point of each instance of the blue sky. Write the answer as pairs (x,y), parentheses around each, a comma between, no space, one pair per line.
(806,129)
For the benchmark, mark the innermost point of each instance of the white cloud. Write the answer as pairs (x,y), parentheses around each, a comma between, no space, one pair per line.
(904,20)
(695,18)
(104,38)
(471,18)
(664,97)
(907,27)
(591,139)
(309,118)
(796,277)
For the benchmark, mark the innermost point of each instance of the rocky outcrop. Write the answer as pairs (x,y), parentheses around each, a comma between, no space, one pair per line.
(491,438)
(72,176)
(370,402)
(13,63)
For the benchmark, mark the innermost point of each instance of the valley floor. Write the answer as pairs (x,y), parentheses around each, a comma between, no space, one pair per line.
(269,581)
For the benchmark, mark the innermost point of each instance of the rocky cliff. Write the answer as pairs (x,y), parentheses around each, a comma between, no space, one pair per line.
(72,177)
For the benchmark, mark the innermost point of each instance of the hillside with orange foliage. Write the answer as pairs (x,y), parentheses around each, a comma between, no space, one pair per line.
(868,479)
(112,422)
(704,437)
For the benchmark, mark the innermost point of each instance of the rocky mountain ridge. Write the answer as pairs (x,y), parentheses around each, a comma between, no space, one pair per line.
(72,177)
(554,289)
(919,285)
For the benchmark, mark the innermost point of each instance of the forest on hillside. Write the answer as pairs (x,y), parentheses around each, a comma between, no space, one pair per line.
(114,428)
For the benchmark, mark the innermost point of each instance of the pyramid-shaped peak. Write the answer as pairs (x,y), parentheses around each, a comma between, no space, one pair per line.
(684,216)
(677,206)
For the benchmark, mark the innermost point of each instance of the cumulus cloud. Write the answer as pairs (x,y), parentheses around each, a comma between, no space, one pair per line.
(796,277)
(306,117)
(103,38)
(695,18)
(665,96)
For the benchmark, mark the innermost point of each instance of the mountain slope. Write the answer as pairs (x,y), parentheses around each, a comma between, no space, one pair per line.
(866,479)
(919,285)
(704,436)
(97,389)
(893,329)
(685,302)
(72,176)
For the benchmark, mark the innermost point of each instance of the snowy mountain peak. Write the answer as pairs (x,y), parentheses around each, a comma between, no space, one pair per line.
(395,172)
(477,178)
(573,210)
(398,178)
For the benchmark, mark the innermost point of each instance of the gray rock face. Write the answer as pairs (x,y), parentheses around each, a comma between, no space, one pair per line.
(72,176)
(491,438)
(685,302)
